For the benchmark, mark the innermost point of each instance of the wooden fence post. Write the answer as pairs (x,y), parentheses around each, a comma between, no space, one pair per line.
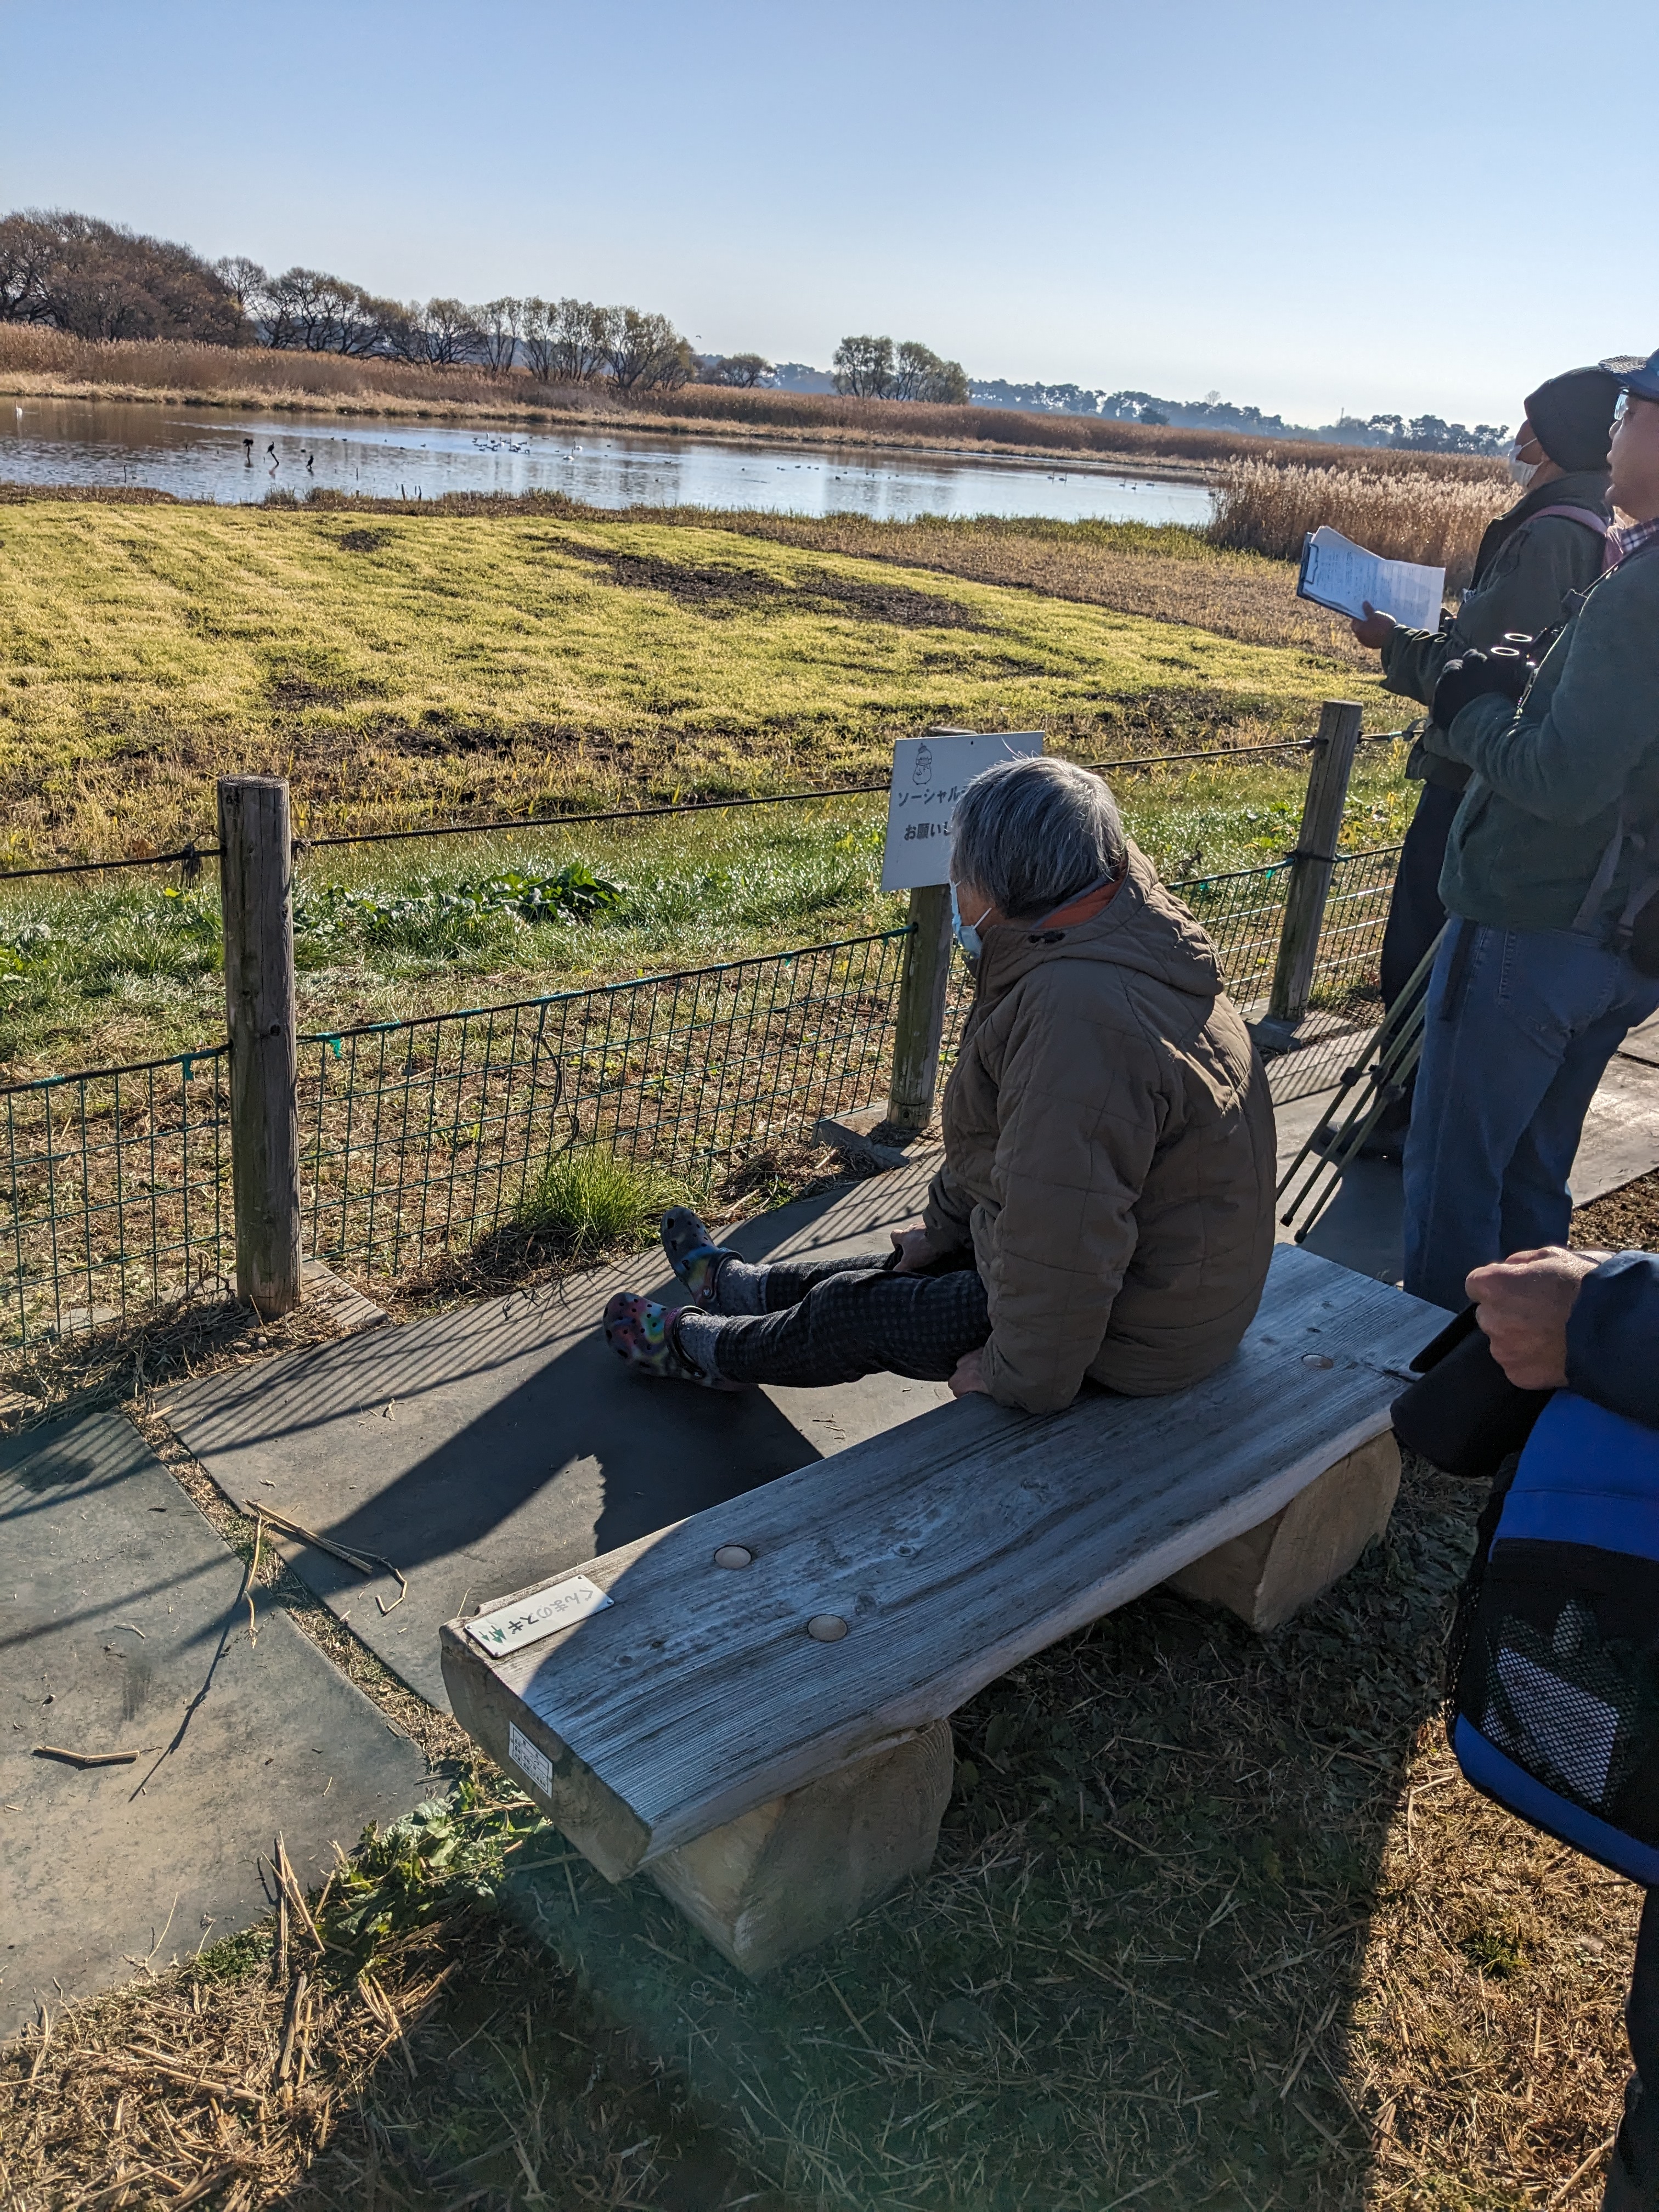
(1313,859)
(256,890)
(920,1028)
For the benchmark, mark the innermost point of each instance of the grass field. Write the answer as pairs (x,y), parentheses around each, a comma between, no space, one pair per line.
(399,668)
(406,668)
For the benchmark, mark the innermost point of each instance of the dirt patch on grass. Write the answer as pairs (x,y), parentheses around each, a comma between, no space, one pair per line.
(718,589)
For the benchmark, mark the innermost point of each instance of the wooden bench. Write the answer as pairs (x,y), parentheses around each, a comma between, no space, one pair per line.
(760,1719)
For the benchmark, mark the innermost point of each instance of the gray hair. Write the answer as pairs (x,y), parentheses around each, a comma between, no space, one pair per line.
(1032,834)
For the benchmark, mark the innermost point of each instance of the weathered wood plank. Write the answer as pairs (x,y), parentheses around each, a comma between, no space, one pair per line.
(954,1547)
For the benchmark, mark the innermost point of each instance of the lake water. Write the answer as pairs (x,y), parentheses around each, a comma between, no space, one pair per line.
(201,453)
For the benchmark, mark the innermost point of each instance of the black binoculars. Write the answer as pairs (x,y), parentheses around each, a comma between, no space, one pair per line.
(1505,668)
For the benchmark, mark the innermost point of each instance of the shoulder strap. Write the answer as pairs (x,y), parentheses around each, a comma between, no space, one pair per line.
(1587,515)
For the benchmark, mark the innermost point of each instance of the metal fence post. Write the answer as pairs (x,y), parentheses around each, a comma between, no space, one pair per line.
(1313,859)
(256,891)
(918,1030)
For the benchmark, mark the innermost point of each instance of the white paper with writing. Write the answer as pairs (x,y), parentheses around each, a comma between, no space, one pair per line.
(930,775)
(535,1765)
(527,1619)
(1342,575)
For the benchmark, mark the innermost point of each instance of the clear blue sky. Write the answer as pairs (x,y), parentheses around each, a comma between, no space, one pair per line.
(1423,206)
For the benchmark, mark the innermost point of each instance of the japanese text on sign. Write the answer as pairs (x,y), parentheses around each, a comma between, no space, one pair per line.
(930,775)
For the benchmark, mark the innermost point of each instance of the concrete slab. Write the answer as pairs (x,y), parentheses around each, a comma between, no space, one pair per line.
(118,1612)
(486,1448)
(1362,1228)
(1643,1042)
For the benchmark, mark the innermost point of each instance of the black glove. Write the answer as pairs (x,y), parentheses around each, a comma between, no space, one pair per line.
(1505,669)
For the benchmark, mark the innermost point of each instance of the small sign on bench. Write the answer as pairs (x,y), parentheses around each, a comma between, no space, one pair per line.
(525,1620)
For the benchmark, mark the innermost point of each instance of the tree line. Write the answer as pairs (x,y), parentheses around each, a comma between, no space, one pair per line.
(100,280)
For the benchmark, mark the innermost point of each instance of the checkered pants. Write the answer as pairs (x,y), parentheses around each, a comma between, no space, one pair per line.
(832,1321)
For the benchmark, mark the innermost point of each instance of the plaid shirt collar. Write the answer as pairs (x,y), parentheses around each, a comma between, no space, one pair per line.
(1635,535)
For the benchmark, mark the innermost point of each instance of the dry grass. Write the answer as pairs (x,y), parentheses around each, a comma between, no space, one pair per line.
(1406,515)
(50,364)
(421,2057)
(432,664)
(1171,574)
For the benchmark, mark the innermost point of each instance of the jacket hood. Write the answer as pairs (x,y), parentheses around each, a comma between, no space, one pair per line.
(1144,928)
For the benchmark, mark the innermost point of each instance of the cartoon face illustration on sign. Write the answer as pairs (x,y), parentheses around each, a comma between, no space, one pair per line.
(924,767)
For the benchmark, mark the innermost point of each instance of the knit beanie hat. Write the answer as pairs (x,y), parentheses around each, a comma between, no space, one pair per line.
(1573,417)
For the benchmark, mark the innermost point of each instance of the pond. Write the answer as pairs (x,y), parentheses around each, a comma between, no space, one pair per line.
(198,452)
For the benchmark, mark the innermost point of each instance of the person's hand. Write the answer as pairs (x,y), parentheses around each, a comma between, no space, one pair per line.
(970,1374)
(916,1252)
(1373,630)
(1522,1304)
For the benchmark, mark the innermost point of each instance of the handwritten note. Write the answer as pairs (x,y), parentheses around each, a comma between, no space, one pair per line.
(930,775)
(527,1619)
(1342,575)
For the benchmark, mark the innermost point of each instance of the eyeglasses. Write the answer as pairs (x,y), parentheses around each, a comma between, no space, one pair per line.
(1620,406)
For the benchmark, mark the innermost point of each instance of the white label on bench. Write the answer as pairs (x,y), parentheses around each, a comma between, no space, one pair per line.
(532,1618)
(535,1765)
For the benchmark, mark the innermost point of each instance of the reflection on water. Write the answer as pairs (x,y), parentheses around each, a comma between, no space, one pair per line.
(198,453)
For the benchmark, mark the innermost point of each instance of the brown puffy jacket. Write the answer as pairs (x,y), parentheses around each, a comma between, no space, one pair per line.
(1109,1152)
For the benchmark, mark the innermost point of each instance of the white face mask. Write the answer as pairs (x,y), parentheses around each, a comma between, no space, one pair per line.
(965,932)
(1521,472)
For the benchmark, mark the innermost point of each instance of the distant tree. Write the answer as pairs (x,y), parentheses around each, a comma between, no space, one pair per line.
(742,368)
(646,352)
(100,280)
(864,367)
(500,324)
(245,280)
(535,324)
(579,341)
(919,374)
(452,333)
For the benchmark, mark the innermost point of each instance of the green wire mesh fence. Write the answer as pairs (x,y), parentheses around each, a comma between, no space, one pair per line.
(117,1192)
(432,1132)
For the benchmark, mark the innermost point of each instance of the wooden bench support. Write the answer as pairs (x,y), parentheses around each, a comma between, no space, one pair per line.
(785,1877)
(1270,1573)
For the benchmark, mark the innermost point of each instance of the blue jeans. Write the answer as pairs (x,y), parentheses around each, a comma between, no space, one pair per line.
(1520,1025)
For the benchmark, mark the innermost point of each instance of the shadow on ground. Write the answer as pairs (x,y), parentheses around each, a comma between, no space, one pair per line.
(1136,1967)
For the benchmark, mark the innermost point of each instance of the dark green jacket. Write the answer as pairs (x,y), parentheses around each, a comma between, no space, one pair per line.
(1544,800)
(1522,572)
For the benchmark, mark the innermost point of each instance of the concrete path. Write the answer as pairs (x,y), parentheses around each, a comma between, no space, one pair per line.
(1361,1227)
(485,1449)
(121,1630)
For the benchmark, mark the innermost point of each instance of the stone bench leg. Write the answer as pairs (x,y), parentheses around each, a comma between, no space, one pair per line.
(1273,1571)
(790,1874)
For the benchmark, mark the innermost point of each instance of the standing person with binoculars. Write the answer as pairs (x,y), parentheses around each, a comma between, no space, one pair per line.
(1552,882)
(1548,544)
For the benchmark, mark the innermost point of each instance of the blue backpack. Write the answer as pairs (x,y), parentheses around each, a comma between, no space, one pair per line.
(1553,1674)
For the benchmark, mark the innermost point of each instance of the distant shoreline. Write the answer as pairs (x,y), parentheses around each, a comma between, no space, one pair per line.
(391,408)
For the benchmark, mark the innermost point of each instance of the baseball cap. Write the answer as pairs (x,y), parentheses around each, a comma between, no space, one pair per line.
(1635,375)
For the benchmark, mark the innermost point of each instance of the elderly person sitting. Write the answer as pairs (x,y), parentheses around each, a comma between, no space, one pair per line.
(1105,1206)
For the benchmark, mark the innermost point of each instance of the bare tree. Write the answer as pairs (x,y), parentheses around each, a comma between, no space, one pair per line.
(500,323)
(864,367)
(100,280)
(536,318)
(580,341)
(245,281)
(646,351)
(453,336)
(741,368)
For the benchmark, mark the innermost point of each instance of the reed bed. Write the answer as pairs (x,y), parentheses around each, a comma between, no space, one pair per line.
(1403,515)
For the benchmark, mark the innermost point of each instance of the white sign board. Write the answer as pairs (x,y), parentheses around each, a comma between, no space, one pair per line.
(532,1618)
(930,775)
